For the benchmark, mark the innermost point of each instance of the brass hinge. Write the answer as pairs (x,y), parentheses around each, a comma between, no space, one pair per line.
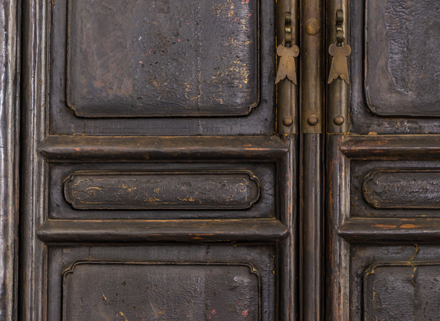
(286,78)
(339,77)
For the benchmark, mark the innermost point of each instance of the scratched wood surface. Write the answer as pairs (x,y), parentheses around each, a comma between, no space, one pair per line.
(160,291)
(159,195)
(402,58)
(161,282)
(161,68)
(402,292)
(404,189)
(394,67)
(162,58)
(161,190)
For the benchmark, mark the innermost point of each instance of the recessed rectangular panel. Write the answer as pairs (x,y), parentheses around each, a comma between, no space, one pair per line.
(402,57)
(164,58)
(162,191)
(402,188)
(88,190)
(394,189)
(402,292)
(160,292)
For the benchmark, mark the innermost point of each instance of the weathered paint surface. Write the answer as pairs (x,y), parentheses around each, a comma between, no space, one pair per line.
(402,292)
(402,188)
(402,60)
(162,58)
(167,190)
(117,291)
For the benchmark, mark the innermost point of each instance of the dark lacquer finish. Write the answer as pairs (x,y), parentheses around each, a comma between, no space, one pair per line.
(167,291)
(394,66)
(135,58)
(157,184)
(89,190)
(383,218)
(402,61)
(402,291)
(9,157)
(140,68)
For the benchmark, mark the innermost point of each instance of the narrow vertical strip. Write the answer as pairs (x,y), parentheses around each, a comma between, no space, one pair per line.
(9,102)
(312,81)
(312,230)
(338,95)
(287,180)
(337,249)
(287,91)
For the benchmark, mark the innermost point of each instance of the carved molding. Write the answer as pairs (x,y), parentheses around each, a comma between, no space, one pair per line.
(402,189)
(215,190)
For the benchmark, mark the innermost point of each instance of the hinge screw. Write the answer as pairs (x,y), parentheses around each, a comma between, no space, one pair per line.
(338,120)
(312,120)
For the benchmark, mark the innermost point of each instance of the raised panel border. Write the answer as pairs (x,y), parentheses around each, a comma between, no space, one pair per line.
(262,257)
(374,186)
(218,112)
(62,120)
(362,120)
(250,266)
(91,201)
(370,270)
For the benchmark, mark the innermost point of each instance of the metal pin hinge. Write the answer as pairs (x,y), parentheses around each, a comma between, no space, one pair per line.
(340,52)
(287,51)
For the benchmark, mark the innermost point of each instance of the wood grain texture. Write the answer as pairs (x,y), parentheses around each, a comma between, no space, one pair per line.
(167,58)
(9,157)
(194,231)
(147,148)
(161,291)
(402,188)
(88,190)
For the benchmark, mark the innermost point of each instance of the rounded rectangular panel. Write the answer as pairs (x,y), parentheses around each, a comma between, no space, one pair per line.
(163,58)
(89,190)
(402,188)
(402,292)
(161,291)
(402,57)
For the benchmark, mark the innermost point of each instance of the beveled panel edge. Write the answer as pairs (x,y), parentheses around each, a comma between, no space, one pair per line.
(392,147)
(404,110)
(146,148)
(371,182)
(248,109)
(252,268)
(391,230)
(185,230)
(369,271)
(191,203)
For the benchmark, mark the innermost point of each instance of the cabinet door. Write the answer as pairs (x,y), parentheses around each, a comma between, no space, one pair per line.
(383,218)
(155,184)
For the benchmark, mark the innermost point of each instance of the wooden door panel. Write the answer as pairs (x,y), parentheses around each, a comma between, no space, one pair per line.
(402,62)
(134,68)
(156,183)
(162,191)
(386,189)
(394,67)
(382,190)
(131,59)
(394,282)
(164,282)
